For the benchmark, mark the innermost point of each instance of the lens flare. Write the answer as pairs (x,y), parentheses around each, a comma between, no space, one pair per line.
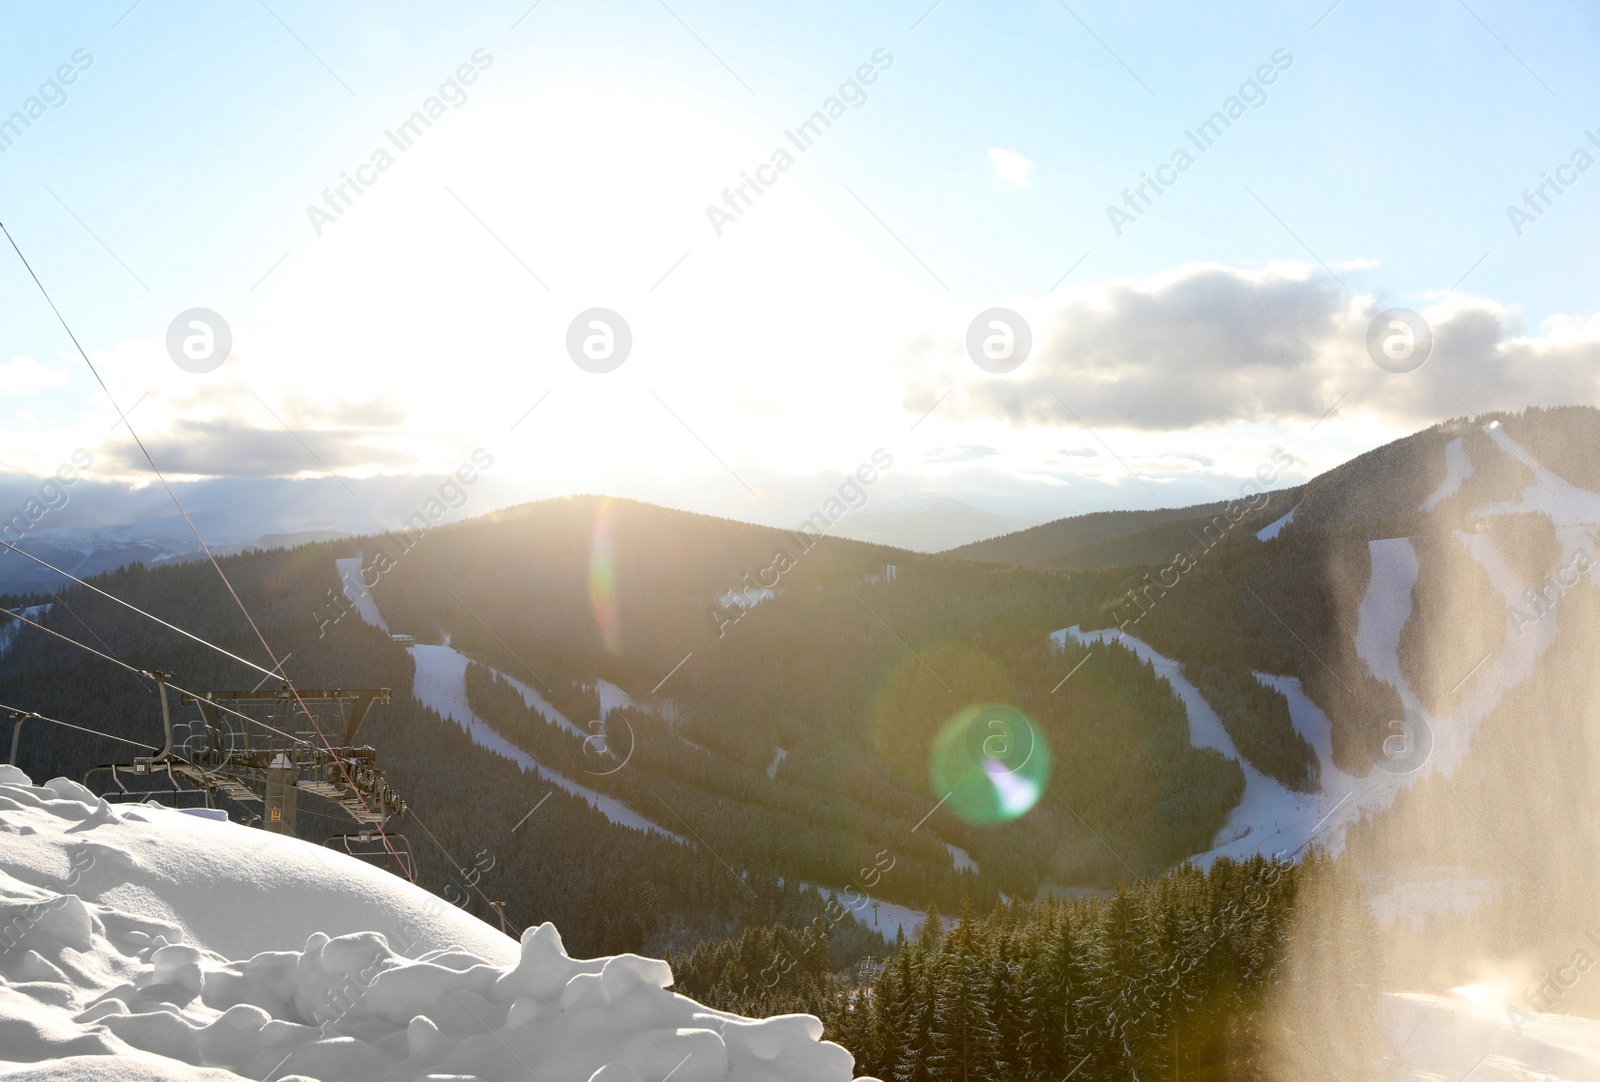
(603,579)
(990,764)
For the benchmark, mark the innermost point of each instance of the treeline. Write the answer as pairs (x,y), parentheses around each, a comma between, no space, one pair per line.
(1190,975)
(1257,718)
(608,888)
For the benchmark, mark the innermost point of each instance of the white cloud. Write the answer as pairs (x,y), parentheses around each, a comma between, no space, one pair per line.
(1012,167)
(24,375)
(1209,344)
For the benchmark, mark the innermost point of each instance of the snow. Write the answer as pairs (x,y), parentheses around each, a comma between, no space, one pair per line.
(1423,891)
(1273,528)
(1565,503)
(186,942)
(1457,468)
(748,598)
(962,859)
(1270,819)
(778,756)
(441,684)
(614,698)
(356,591)
(9,628)
(1450,1037)
(539,704)
(886,918)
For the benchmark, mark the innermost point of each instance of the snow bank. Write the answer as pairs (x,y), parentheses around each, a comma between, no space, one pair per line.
(142,944)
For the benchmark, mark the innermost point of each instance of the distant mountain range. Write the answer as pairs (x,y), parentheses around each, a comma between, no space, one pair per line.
(787,703)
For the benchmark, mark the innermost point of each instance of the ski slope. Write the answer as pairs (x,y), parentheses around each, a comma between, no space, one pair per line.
(1275,527)
(356,591)
(1270,819)
(10,629)
(143,944)
(441,685)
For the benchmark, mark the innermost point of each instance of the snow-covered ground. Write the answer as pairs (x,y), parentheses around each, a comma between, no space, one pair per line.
(141,944)
(1275,527)
(1457,468)
(9,628)
(961,857)
(1420,892)
(356,591)
(1269,819)
(441,683)
(748,598)
(886,918)
(542,706)
(1468,1036)
(614,698)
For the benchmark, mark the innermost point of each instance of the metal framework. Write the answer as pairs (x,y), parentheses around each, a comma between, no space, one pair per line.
(265,766)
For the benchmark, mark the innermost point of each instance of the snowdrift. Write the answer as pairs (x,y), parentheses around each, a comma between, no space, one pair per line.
(142,943)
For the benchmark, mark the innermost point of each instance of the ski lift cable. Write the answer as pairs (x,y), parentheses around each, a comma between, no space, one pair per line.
(33,716)
(150,676)
(192,529)
(437,844)
(127,605)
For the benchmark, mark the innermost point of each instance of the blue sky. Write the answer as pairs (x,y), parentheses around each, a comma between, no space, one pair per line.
(577,173)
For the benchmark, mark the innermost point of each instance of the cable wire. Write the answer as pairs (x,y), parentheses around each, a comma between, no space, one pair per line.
(137,609)
(190,522)
(151,676)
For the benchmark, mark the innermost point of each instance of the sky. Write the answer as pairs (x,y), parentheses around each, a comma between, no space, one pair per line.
(580,156)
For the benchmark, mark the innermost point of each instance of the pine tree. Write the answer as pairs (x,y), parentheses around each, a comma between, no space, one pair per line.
(966,1044)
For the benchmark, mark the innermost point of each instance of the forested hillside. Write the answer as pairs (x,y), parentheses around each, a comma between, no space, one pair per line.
(1188,975)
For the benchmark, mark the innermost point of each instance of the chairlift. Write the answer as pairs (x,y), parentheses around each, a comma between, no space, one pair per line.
(376,847)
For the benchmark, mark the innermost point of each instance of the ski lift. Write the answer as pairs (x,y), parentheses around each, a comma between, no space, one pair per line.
(376,847)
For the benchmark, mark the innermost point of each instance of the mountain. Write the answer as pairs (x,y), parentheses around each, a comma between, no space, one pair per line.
(718,726)
(924,522)
(93,550)
(1113,538)
(89,527)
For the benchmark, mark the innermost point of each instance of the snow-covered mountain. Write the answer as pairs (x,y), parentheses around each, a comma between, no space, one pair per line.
(143,943)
